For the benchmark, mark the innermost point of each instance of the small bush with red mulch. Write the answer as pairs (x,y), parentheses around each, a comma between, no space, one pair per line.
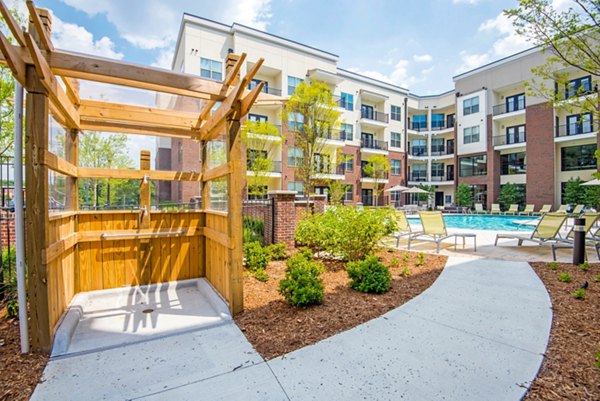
(275,328)
(569,370)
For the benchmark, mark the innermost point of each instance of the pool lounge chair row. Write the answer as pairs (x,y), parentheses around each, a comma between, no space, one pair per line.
(547,232)
(528,210)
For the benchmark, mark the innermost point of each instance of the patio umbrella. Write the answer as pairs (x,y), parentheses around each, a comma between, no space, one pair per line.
(415,190)
(592,182)
(396,188)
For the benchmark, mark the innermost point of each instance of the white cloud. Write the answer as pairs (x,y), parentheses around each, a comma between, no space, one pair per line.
(253,13)
(472,2)
(422,58)
(509,41)
(400,74)
(73,37)
(164,59)
(471,61)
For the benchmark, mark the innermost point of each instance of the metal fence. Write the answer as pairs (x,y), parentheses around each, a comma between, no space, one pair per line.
(8,277)
(258,221)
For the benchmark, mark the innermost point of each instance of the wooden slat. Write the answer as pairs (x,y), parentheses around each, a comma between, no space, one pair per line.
(249,99)
(13,59)
(58,164)
(58,248)
(216,172)
(57,95)
(89,172)
(72,89)
(14,27)
(94,236)
(221,238)
(43,35)
(137,129)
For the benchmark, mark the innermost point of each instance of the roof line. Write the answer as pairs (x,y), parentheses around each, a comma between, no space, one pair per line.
(499,61)
(378,81)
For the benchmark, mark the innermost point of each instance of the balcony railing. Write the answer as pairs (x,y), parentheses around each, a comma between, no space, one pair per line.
(508,108)
(337,135)
(575,129)
(383,176)
(275,167)
(420,152)
(418,177)
(438,178)
(265,89)
(583,90)
(441,125)
(419,127)
(374,144)
(329,169)
(265,133)
(500,140)
(375,116)
(442,152)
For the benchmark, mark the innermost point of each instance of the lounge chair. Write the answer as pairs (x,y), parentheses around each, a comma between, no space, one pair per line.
(543,210)
(479,209)
(404,229)
(562,209)
(591,239)
(545,233)
(495,209)
(513,209)
(434,228)
(529,209)
(577,210)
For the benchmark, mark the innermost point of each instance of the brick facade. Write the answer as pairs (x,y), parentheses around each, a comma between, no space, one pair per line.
(539,120)
(493,166)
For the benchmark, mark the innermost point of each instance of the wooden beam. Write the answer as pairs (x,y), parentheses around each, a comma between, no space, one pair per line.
(216,172)
(58,164)
(249,99)
(72,89)
(92,236)
(56,94)
(92,110)
(72,155)
(43,34)
(217,236)
(13,59)
(137,129)
(58,248)
(89,172)
(15,29)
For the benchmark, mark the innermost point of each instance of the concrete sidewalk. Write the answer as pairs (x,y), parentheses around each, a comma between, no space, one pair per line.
(477,334)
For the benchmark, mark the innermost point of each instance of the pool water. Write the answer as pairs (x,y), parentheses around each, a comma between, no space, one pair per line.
(483,222)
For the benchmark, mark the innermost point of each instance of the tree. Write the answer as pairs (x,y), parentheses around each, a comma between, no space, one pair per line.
(337,190)
(261,138)
(378,168)
(571,36)
(464,195)
(311,115)
(576,194)
(509,194)
(426,197)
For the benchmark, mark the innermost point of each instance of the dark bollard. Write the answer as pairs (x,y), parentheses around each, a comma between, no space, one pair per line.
(578,241)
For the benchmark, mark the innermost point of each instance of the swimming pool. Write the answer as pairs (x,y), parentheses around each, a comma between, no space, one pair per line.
(483,222)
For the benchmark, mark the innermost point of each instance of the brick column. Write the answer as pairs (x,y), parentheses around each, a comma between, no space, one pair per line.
(319,203)
(284,212)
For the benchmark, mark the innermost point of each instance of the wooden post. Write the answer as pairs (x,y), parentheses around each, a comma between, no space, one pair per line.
(235,182)
(72,155)
(145,249)
(205,200)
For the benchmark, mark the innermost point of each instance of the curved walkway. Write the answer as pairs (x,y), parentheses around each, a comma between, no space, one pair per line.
(478,333)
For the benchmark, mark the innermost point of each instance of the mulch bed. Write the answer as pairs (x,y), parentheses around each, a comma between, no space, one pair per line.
(19,374)
(275,328)
(569,371)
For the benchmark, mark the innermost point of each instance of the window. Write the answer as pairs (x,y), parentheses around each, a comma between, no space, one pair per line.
(437,169)
(349,194)
(473,165)
(579,124)
(395,113)
(347,131)
(395,197)
(578,87)
(396,167)
(580,157)
(471,135)
(418,147)
(293,82)
(211,69)
(257,118)
(295,157)
(252,155)
(255,82)
(322,163)
(418,172)
(297,186)
(366,111)
(295,122)
(347,163)
(450,121)
(513,163)
(437,121)
(347,101)
(419,122)
(471,106)
(396,140)
(515,103)
(515,134)
(437,146)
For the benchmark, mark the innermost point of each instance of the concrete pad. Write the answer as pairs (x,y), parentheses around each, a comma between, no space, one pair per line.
(148,367)
(254,383)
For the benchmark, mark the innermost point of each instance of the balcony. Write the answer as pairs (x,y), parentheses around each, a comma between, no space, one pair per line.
(441,125)
(421,177)
(501,140)
(441,178)
(581,90)
(274,168)
(375,116)
(268,135)
(384,176)
(330,169)
(568,130)
(266,88)
(418,152)
(442,151)
(505,108)
(374,144)
(337,135)
(419,127)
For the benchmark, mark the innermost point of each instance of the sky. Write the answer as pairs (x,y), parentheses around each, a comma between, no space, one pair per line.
(419,45)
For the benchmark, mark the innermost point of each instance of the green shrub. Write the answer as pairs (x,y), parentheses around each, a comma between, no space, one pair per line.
(579,294)
(394,263)
(261,275)
(345,231)
(12,309)
(598,359)
(598,278)
(277,251)
(405,257)
(420,259)
(553,265)
(253,230)
(256,256)
(369,275)
(405,272)
(585,266)
(302,285)
(564,277)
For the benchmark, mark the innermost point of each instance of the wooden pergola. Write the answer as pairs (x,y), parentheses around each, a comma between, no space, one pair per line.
(75,251)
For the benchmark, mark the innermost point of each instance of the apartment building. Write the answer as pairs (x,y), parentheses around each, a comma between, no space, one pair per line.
(506,136)
(485,132)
